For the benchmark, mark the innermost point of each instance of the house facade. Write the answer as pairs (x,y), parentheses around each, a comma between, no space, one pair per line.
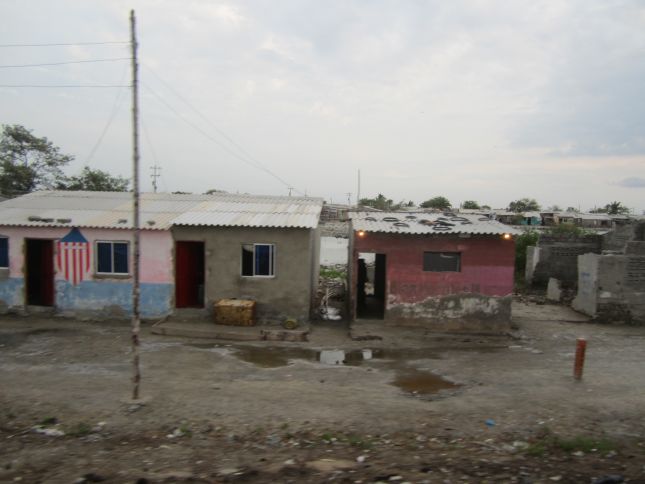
(72,252)
(439,271)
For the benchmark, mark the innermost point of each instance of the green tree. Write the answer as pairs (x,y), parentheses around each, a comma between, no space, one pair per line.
(566,229)
(471,205)
(439,202)
(381,202)
(521,243)
(27,162)
(524,205)
(94,181)
(616,208)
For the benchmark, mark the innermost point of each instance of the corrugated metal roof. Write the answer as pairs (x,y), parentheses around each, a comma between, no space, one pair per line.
(158,211)
(428,223)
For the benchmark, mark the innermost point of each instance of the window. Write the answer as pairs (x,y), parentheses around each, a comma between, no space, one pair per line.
(258,260)
(4,252)
(442,261)
(112,257)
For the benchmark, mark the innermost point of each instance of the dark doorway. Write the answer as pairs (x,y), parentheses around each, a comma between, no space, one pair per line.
(40,272)
(370,288)
(189,274)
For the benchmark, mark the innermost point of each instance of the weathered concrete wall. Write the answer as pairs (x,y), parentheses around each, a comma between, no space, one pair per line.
(587,296)
(532,259)
(616,239)
(314,242)
(558,258)
(612,287)
(474,299)
(97,294)
(287,294)
(454,313)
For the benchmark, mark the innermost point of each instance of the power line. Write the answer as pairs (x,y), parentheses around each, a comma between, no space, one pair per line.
(64,63)
(115,108)
(215,140)
(66,44)
(65,85)
(246,154)
(199,113)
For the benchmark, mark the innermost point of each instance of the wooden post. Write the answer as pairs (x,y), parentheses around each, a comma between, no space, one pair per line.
(136,323)
(581,346)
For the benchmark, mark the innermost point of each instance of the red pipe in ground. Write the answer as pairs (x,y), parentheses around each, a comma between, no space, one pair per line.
(581,346)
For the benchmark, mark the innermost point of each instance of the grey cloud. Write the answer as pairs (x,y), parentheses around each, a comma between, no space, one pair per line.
(632,182)
(592,104)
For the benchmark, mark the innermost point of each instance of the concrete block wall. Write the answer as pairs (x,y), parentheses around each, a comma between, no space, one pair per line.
(611,288)
(557,257)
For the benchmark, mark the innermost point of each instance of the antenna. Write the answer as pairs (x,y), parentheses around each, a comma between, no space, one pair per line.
(155,174)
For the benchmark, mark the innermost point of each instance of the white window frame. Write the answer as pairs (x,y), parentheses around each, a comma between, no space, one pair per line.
(111,242)
(273,261)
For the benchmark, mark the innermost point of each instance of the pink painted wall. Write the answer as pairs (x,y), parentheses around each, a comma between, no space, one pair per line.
(156,250)
(487,265)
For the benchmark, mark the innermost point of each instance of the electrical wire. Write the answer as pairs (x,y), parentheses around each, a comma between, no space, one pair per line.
(215,140)
(201,115)
(65,63)
(66,44)
(65,85)
(115,108)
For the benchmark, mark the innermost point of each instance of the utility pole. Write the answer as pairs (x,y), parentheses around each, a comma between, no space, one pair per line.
(136,322)
(155,174)
(358,192)
(349,199)
(289,188)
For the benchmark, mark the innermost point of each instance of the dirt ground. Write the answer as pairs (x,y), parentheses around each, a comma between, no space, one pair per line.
(507,408)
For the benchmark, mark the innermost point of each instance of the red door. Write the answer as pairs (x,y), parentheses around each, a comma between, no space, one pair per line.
(40,272)
(189,274)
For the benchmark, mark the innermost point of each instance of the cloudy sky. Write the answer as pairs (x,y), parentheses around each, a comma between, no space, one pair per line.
(474,100)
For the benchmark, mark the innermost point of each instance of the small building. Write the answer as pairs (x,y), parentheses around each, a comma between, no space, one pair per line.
(550,219)
(445,272)
(593,220)
(72,252)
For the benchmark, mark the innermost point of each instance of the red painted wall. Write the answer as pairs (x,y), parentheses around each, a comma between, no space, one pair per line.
(487,265)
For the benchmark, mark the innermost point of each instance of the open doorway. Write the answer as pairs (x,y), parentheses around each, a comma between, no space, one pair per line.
(39,267)
(370,287)
(189,274)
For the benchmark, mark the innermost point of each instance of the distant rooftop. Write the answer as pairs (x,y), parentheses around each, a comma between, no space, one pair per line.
(158,211)
(428,223)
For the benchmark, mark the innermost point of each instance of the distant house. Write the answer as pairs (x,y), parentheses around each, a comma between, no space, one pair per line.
(440,271)
(72,252)
(593,220)
(556,218)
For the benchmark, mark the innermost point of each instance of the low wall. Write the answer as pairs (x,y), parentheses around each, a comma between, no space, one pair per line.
(557,257)
(611,288)
(455,313)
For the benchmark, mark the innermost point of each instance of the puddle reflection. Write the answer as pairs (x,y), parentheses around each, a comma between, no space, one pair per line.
(408,378)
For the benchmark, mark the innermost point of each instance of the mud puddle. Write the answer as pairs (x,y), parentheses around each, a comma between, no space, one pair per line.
(407,377)
(419,382)
(13,340)
(273,357)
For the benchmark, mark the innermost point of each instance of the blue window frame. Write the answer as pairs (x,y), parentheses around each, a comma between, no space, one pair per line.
(112,257)
(4,252)
(258,260)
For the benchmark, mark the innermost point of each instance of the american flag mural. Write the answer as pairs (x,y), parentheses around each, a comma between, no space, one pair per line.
(73,256)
